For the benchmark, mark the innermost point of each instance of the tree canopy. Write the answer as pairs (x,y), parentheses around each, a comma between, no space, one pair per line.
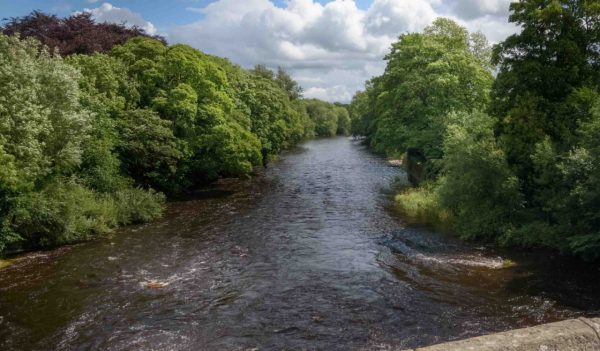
(524,172)
(76,34)
(85,140)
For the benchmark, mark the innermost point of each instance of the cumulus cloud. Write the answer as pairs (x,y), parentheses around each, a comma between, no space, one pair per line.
(331,48)
(112,14)
(471,9)
(336,40)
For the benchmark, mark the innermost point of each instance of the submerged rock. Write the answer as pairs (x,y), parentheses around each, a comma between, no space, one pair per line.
(154,284)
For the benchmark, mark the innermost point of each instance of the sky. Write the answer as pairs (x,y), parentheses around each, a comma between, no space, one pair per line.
(331,47)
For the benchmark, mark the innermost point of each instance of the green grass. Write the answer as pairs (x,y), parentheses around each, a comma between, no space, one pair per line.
(420,206)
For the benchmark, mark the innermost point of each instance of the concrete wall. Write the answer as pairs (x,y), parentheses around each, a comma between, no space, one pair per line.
(580,334)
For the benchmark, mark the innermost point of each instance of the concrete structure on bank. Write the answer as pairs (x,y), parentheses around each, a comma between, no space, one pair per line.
(582,334)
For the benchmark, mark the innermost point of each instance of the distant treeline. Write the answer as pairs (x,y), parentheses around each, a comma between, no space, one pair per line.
(513,158)
(91,140)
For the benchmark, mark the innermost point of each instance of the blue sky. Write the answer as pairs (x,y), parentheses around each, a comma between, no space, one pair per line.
(331,47)
(163,13)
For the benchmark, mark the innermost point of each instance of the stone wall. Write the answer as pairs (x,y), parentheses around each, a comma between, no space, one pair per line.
(580,334)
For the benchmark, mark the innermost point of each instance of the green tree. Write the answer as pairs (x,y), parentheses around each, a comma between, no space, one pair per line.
(105,89)
(324,116)
(147,147)
(49,141)
(555,54)
(428,75)
(290,86)
(343,120)
(476,183)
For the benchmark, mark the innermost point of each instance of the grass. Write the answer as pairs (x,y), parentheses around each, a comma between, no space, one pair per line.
(5,263)
(420,206)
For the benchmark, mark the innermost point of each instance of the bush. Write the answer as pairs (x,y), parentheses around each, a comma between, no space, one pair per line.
(136,205)
(477,185)
(66,211)
(421,206)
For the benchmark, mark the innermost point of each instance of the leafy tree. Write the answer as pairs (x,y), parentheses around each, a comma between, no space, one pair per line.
(147,147)
(343,120)
(229,150)
(324,116)
(76,34)
(42,123)
(554,55)
(428,75)
(191,90)
(476,184)
(48,142)
(144,60)
(106,90)
(263,72)
(285,82)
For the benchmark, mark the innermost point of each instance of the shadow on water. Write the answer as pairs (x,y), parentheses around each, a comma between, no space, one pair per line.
(308,255)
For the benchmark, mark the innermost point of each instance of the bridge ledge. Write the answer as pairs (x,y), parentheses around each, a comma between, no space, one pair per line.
(581,334)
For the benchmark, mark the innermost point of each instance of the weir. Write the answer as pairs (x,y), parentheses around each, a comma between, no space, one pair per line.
(581,334)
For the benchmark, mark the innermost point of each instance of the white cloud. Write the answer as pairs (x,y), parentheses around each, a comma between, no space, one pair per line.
(337,40)
(471,9)
(332,48)
(112,14)
(332,93)
(392,17)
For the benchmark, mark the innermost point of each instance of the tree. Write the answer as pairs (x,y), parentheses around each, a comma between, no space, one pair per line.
(555,54)
(428,75)
(42,123)
(324,116)
(49,142)
(285,82)
(76,34)
(147,147)
(106,89)
(476,183)
(343,120)
(263,72)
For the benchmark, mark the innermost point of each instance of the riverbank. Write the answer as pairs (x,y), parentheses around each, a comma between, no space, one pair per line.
(310,255)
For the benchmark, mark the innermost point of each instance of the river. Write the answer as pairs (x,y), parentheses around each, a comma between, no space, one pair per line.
(310,255)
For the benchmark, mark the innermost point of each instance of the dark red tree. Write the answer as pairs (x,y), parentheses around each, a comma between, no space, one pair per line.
(76,34)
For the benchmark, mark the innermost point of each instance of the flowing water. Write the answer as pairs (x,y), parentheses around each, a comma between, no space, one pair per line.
(308,256)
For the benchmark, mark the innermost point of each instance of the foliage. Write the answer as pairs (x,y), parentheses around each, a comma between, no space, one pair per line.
(146,147)
(543,96)
(84,140)
(76,34)
(290,86)
(343,120)
(59,174)
(477,185)
(541,70)
(326,117)
(526,174)
(422,206)
(428,75)
(360,118)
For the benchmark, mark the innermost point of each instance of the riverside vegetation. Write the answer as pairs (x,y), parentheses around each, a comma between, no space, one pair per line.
(99,121)
(514,157)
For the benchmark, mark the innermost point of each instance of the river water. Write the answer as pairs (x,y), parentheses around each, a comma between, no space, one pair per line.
(309,255)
